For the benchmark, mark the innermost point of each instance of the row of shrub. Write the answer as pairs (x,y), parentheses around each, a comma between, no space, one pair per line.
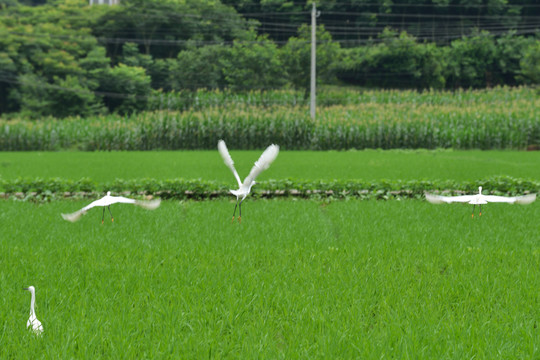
(197,189)
(402,124)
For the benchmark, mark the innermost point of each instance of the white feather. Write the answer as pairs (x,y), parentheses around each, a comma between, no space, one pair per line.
(480,199)
(108,200)
(525,199)
(227,159)
(74,216)
(267,157)
(434,199)
(33,322)
(148,205)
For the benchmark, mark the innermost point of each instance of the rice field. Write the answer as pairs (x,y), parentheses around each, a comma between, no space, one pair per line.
(368,165)
(310,278)
(297,279)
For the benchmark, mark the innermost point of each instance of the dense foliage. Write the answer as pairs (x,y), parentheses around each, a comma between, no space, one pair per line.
(439,21)
(66,58)
(48,189)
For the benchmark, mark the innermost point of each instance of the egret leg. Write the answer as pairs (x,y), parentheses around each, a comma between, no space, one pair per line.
(234,212)
(109,207)
(240,208)
(103,216)
(480,214)
(473,211)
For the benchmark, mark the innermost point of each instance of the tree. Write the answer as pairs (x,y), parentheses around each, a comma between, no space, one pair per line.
(126,88)
(200,68)
(253,65)
(162,28)
(471,61)
(43,66)
(530,64)
(296,57)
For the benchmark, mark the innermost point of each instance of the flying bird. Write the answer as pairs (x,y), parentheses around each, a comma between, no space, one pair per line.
(479,199)
(267,157)
(106,202)
(33,322)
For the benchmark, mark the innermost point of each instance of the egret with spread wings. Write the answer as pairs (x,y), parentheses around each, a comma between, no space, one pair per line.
(267,157)
(479,199)
(106,202)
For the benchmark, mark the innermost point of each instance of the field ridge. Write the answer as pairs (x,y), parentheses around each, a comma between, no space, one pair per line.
(57,188)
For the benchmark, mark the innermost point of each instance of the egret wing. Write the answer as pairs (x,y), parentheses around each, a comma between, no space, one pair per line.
(73,216)
(439,199)
(267,157)
(434,199)
(78,214)
(500,199)
(121,199)
(148,205)
(35,324)
(523,200)
(526,199)
(224,152)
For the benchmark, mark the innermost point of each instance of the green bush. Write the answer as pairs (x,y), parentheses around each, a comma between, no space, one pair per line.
(199,68)
(530,64)
(253,65)
(296,58)
(127,87)
(198,189)
(397,62)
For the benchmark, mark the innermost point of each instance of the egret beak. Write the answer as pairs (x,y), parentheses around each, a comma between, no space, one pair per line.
(25,289)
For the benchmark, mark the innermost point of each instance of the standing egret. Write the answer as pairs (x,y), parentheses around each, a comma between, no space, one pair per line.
(107,201)
(33,322)
(267,157)
(479,199)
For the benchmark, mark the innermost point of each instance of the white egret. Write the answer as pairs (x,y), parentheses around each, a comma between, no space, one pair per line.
(267,157)
(479,199)
(33,322)
(107,201)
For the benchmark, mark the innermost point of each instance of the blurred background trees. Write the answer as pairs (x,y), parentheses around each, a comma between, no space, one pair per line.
(68,58)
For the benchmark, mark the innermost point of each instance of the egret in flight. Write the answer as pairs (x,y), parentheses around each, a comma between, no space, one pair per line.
(479,199)
(106,202)
(33,322)
(267,157)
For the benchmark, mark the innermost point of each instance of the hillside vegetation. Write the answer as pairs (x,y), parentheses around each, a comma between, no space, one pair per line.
(66,58)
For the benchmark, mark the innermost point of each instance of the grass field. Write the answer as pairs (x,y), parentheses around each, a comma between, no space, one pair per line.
(297,279)
(325,165)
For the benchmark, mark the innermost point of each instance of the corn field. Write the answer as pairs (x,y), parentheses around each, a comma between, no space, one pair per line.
(500,118)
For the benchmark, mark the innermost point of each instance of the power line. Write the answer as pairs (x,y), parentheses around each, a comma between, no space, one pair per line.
(439,34)
(322,5)
(437,16)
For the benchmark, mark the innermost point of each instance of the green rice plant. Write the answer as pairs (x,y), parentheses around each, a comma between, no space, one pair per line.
(366,165)
(313,279)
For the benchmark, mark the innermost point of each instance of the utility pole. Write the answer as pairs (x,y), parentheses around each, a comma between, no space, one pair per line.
(313,59)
